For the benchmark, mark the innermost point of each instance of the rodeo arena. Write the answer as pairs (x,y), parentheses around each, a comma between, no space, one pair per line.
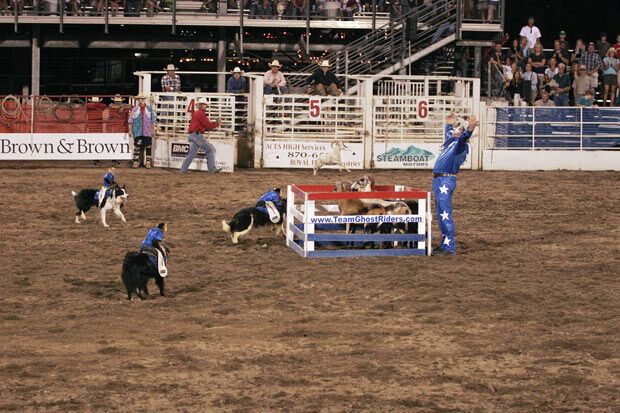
(284,174)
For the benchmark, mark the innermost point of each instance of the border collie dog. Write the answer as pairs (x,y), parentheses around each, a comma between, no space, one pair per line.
(88,198)
(137,269)
(269,210)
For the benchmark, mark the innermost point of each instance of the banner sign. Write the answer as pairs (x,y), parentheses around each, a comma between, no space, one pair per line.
(65,146)
(171,154)
(404,155)
(303,154)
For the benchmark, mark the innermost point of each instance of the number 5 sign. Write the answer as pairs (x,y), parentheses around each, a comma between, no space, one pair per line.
(314,111)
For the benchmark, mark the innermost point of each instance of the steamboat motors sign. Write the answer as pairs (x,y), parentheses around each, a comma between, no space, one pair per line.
(408,156)
(61,146)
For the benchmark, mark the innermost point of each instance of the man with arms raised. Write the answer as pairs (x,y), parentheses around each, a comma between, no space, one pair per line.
(446,168)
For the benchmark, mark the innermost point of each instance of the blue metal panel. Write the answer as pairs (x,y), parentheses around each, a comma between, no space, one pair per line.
(366,237)
(366,253)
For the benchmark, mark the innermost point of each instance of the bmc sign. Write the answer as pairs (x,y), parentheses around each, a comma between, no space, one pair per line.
(59,146)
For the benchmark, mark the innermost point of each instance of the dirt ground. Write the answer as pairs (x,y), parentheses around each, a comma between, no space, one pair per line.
(525,318)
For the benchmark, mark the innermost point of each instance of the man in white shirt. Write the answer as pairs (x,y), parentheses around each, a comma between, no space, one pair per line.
(531,33)
(275,83)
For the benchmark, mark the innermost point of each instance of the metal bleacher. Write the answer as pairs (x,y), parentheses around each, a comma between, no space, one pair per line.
(561,127)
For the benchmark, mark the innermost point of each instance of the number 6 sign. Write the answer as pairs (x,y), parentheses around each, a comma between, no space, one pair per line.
(422,109)
(314,111)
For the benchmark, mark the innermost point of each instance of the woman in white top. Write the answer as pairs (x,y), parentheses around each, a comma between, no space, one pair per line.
(551,71)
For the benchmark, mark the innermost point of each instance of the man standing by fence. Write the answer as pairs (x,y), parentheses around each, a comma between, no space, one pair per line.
(450,159)
(197,126)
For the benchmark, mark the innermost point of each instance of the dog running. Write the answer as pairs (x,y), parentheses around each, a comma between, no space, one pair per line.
(105,200)
(269,210)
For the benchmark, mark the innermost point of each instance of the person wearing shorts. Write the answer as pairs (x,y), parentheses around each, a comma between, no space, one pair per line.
(611,66)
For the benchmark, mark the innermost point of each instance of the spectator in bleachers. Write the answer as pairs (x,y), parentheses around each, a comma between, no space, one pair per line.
(236,83)
(582,83)
(529,79)
(580,48)
(586,100)
(562,40)
(489,12)
(544,101)
(514,90)
(617,45)
(531,33)
(514,52)
(560,54)
(496,57)
(508,70)
(330,9)
(265,10)
(602,45)
(275,83)
(539,62)
(592,62)
(299,8)
(525,52)
(323,81)
(350,7)
(551,70)
(562,90)
(170,83)
(611,66)
(132,8)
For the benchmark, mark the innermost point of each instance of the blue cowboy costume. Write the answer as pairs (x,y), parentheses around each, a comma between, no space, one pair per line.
(452,156)
(151,244)
(108,185)
(272,195)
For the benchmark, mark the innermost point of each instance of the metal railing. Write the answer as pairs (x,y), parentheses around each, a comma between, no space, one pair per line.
(395,41)
(483,11)
(537,128)
(303,117)
(173,112)
(63,114)
(415,118)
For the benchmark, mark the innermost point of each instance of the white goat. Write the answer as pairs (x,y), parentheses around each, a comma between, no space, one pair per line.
(332,158)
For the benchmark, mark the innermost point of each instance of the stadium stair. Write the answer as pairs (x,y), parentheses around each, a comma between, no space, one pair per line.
(390,48)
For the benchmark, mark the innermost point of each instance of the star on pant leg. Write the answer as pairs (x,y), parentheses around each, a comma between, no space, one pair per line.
(444,216)
(446,241)
(443,189)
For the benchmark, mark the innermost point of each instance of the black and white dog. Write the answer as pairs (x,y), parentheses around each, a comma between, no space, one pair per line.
(265,213)
(137,269)
(88,198)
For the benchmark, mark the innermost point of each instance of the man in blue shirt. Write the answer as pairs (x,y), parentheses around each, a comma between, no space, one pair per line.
(236,83)
(450,159)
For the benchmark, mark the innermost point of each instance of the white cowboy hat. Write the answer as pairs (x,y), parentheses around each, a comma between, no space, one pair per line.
(117,98)
(202,101)
(237,70)
(141,95)
(275,63)
(171,67)
(324,63)
(94,99)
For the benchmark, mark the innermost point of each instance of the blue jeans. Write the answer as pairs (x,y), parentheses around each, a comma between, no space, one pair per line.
(561,100)
(443,188)
(196,140)
(269,90)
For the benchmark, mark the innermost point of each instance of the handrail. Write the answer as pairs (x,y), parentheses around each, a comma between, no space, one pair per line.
(389,43)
